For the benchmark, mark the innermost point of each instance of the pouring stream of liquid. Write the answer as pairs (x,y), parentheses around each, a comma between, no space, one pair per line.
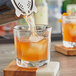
(31,24)
(34,36)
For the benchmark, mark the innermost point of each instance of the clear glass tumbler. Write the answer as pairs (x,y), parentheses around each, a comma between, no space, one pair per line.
(69,31)
(32,51)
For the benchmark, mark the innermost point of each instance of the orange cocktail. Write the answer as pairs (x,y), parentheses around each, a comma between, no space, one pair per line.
(69,31)
(32,49)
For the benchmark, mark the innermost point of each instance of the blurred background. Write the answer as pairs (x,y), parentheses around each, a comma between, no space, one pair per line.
(49,12)
(8,18)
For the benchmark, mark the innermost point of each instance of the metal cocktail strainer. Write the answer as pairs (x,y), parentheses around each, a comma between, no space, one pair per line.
(24,7)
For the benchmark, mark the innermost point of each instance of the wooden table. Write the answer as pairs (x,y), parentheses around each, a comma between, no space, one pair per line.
(68,63)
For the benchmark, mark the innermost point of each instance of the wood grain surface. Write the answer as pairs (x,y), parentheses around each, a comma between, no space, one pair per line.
(66,51)
(14,70)
(68,63)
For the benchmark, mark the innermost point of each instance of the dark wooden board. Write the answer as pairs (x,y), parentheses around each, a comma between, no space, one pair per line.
(8,17)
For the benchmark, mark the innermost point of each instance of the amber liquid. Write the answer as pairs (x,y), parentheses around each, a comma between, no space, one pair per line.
(31,51)
(69,32)
(26,49)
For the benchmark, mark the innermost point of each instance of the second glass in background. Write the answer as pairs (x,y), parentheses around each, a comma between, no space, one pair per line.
(69,31)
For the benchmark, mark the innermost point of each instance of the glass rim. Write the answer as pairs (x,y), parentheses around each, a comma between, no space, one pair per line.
(69,17)
(15,28)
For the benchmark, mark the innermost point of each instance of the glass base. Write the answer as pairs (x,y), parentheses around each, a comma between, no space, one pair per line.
(28,64)
(69,44)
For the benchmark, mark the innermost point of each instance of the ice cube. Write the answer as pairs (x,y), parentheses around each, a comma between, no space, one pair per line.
(73,30)
(34,38)
(73,33)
